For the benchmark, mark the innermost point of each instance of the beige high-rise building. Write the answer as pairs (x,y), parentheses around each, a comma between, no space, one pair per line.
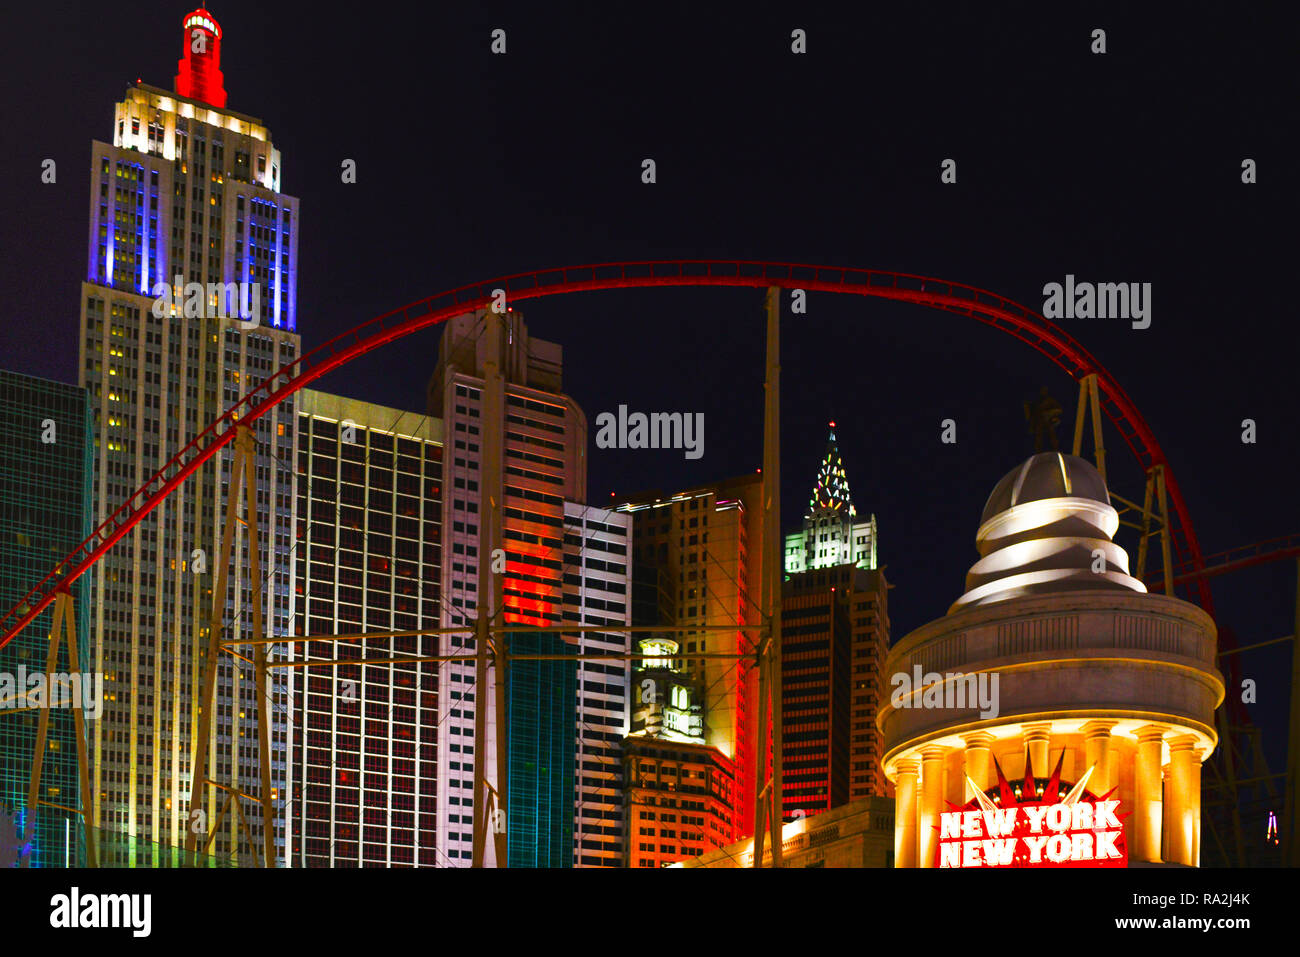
(544,465)
(188,303)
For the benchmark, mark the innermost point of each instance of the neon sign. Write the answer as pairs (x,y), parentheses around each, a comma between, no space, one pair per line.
(1030,827)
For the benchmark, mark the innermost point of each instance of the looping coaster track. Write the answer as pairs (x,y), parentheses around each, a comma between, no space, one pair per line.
(994,310)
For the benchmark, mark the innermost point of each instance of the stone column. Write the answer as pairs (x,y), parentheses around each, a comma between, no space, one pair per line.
(1037,745)
(1167,809)
(905,813)
(932,759)
(954,778)
(979,767)
(1184,798)
(1148,815)
(1195,799)
(1096,755)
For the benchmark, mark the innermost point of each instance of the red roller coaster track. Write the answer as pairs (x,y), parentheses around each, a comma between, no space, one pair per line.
(1003,314)
(1234,559)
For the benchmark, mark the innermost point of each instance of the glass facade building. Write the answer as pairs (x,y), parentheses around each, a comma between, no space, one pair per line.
(541,702)
(45,469)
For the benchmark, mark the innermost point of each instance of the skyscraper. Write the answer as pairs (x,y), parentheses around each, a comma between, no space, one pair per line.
(692,552)
(596,592)
(363,771)
(834,638)
(831,535)
(44,515)
(543,465)
(189,301)
(681,792)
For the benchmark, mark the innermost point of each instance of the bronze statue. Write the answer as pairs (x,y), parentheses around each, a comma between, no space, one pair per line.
(1043,416)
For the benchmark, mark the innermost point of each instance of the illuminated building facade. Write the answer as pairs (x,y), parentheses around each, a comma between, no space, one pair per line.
(596,592)
(541,701)
(45,469)
(362,780)
(816,655)
(697,543)
(681,799)
(1103,694)
(544,465)
(666,703)
(186,189)
(834,638)
(681,792)
(831,534)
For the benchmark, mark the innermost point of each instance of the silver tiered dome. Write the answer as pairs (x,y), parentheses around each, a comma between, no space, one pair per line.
(1039,531)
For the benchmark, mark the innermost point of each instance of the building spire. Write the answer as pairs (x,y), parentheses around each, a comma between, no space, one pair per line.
(831,491)
(199,75)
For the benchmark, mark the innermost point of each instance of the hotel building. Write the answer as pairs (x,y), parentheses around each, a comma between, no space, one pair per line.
(597,586)
(362,782)
(543,466)
(834,638)
(188,192)
(692,552)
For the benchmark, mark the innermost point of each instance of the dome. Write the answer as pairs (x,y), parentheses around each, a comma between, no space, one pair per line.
(1047,527)
(1046,475)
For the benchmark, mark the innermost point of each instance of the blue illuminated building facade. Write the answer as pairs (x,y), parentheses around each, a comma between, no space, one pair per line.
(542,705)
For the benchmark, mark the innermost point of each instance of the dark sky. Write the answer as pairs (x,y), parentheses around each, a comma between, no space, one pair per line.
(1119,167)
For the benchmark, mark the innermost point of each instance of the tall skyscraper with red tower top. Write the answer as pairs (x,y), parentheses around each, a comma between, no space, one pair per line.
(185,207)
(198,74)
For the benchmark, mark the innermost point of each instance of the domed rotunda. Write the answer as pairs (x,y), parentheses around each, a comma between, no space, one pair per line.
(1054,657)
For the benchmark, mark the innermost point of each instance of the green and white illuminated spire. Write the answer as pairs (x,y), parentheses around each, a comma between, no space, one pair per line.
(831,534)
(832,489)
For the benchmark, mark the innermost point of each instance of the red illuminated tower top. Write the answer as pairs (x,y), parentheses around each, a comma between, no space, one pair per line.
(199,76)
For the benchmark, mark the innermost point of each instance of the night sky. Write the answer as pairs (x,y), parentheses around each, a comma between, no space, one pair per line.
(1122,167)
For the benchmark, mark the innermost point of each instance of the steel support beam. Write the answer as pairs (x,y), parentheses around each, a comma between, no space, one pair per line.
(64,630)
(243,468)
(1090,398)
(768,790)
(491,798)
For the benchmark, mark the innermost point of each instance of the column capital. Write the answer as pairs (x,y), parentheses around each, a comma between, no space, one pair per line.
(908,766)
(1098,729)
(1037,730)
(1184,742)
(933,751)
(977,739)
(1152,732)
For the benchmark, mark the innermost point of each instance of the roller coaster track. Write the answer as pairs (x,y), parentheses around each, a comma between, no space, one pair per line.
(993,310)
(1235,559)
